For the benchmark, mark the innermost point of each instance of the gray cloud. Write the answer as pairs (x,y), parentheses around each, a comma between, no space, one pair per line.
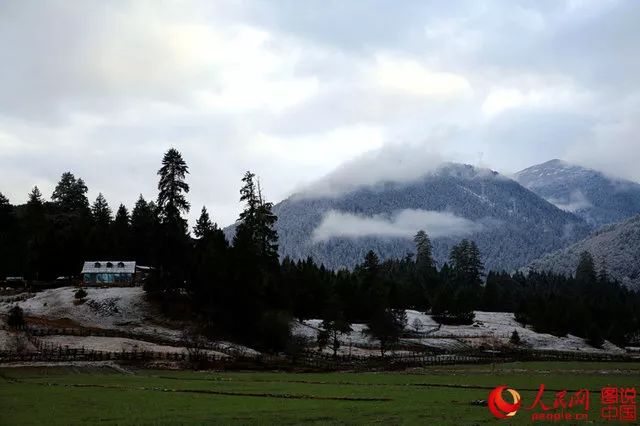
(403,224)
(576,201)
(294,89)
(390,163)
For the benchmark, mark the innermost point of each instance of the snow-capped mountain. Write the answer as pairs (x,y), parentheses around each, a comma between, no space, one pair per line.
(590,194)
(512,225)
(616,246)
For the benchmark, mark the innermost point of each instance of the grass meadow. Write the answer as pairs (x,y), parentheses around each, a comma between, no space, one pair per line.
(440,395)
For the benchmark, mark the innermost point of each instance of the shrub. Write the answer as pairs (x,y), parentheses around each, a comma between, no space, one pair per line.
(515,338)
(322,339)
(417,325)
(196,345)
(81,293)
(386,326)
(296,347)
(274,331)
(16,317)
(594,336)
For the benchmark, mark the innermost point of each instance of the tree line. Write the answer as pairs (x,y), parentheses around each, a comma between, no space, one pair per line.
(239,288)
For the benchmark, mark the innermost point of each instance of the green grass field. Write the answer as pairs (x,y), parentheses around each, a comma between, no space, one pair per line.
(433,396)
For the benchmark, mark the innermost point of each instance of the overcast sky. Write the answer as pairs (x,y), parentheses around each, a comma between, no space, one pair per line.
(292,89)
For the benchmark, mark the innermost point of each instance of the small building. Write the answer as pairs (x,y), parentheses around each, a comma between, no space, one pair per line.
(109,273)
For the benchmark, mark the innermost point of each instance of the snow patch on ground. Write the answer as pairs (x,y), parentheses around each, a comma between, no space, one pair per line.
(5,340)
(119,308)
(489,328)
(114,344)
(103,307)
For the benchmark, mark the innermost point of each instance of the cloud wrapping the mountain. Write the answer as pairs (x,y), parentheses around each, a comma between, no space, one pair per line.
(391,163)
(402,224)
(576,201)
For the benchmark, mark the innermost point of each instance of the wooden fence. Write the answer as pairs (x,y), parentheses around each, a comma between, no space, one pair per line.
(230,357)
(307,359)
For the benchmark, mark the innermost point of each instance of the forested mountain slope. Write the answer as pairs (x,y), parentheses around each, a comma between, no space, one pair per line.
(511,225)
(617,247)
(597,198)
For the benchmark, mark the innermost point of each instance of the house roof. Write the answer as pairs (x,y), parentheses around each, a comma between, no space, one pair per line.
(109,266)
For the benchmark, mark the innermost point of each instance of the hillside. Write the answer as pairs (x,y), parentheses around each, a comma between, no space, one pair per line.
(511,225)
(617,245)
(590,194)
(488,329)
(127,310)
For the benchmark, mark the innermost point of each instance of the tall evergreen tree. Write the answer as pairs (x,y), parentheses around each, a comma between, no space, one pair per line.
(35,229)
(426,273)
(101,212)
(35,197)
(255,253)
(70,225)
(204,226)
(211,278)
(466,263)
(71,194)
(172,188)
(424,251)
(121,233)
(144,231)
(172,203)
(7,240)
(100,236)
(257,220)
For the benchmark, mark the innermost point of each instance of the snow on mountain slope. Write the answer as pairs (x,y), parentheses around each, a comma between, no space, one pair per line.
(511,225)
(617,246)
(588,193)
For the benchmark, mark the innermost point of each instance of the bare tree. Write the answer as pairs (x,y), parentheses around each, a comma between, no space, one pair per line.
(417,325)
(19,343)
(196,345)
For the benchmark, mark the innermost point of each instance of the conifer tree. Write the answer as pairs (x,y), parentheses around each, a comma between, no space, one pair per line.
(257,220)
(386,326)
(334,324)
(70,224)
(71,194)
(204,226)
(35,197)
(101,212)
(172,188)
(424,251)
(35,228)
(425,267)
(122,233)
(466,263)
(7,226)
(255,254)
(144,231)
(172,203)
(100,236)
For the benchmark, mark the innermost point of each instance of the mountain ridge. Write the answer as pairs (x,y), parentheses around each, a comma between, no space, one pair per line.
(517,226)
(614,246)
(588,193)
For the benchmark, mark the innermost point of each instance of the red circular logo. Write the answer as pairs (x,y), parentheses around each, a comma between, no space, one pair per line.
(499,407)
